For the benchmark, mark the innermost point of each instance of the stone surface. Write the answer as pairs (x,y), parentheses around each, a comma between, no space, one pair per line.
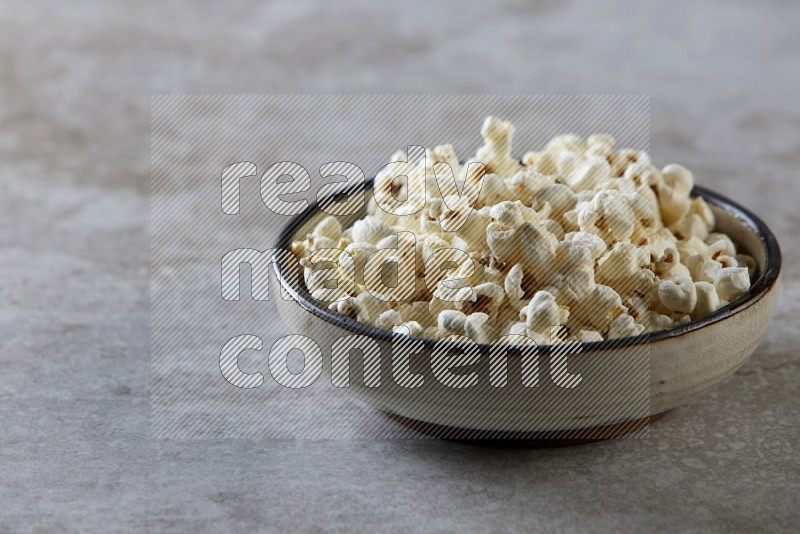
(77,78)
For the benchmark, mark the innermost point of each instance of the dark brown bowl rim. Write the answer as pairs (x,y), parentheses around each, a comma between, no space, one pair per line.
(762,286)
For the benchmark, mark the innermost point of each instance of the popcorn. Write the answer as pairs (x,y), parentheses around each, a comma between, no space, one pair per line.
(589,336)
(673,204)
(708,300)
(655,321)
(745,260)
(592,242)
(732,282)
(720,244)
(487,297)
(659,241)
(566,143)
(543,312)
(678,178)
(473,231)
(371,306)
(321,275)
(507,213)
(622,159)
(494,190)
(582,235)
(692,247)
(678,295)
(328,227)
(588,174)
(409,328)
(554,228)
(600,308)
(703,270)
(451,322)
(669,266)
(389,319)
(558,197)
(513,283)
(496,152)
(435,266)
(529,244)
(608,215)
(311,243)
(645,209)
(370,230)
(575,274)
(476,327)
(693,225)
(624,326)
(350,307)
(618,264)
(355,259)
(644,176)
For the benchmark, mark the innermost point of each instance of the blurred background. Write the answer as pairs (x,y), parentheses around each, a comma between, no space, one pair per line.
(76,81)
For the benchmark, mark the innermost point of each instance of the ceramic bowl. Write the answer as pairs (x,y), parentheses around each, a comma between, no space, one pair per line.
(625,382)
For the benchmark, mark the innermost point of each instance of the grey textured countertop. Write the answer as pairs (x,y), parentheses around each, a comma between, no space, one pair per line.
(75,86)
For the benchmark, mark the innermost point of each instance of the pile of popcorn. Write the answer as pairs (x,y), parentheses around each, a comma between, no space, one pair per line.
(582,236)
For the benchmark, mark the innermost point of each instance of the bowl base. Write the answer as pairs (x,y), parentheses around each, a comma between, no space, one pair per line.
(499,438)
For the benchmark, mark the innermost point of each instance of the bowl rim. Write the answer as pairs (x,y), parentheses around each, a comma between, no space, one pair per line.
(764,283)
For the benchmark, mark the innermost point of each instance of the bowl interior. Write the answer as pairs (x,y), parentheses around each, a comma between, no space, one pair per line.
(748,232)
